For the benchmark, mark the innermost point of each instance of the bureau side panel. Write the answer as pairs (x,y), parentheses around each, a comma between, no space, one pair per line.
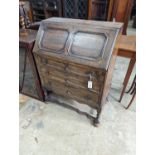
(108,78)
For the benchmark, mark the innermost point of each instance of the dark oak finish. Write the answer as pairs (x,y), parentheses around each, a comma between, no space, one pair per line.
(26,40)
(75,59)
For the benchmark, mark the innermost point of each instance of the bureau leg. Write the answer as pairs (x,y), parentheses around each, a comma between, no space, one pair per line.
(96,120)
(99,111)
(46,93)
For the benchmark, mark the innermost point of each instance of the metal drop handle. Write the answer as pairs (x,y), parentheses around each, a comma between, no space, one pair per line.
(68,92)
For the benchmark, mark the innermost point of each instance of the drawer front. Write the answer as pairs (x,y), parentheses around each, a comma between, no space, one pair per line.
(71,80)
(77,75)
(82,96)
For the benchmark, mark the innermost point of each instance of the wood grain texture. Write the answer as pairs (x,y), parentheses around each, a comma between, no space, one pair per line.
(66,62)
(100,32)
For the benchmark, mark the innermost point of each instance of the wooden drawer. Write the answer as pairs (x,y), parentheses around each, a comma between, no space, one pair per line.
(75,80)
(72,68)
(77,75)
(61,88)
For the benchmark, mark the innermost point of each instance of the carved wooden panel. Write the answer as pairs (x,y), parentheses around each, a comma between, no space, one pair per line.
(80,48)
(54,40)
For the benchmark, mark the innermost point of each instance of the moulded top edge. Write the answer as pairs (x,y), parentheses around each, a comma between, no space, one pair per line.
(116,25)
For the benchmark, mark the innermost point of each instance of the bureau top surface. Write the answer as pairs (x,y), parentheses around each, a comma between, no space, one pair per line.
(86,42)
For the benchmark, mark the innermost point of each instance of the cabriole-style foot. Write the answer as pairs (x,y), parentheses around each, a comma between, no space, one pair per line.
(96,122)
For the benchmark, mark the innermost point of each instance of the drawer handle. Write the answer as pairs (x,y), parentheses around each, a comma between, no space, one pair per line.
(87,97)
(66,68)
(88,75)
(44,61)
(66,83)
(68,92)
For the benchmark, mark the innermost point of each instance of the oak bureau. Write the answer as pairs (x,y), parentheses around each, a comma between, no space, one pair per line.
(75,59)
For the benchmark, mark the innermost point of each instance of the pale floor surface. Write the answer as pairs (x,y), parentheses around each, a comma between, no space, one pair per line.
(50,129)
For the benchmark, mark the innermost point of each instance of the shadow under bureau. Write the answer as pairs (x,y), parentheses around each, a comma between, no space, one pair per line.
(75,59)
